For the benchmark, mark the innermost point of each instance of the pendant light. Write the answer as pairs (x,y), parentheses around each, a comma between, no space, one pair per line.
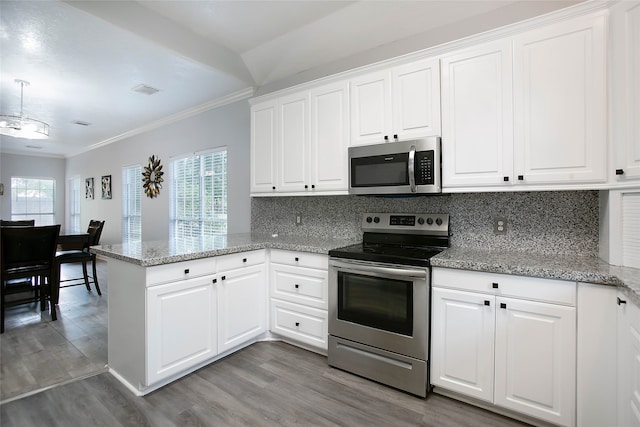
(21,126)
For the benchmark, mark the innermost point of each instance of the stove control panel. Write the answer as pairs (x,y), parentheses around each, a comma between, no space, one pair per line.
(418,223)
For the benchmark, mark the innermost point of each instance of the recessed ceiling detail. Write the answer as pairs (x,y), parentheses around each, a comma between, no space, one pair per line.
(81,123)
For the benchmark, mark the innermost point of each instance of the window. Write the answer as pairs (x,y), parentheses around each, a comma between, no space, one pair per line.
(199,197)
(131,204)
(33,198)
(74,205)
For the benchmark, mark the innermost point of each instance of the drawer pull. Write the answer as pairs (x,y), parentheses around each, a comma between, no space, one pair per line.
(297,324)
(487,302)
(621,301)
(297,286)
(244,260)
(224,277)
(619,171)
(297,259)
(505,179)
(503,305)
(186,271)
(494,285)
(215,280)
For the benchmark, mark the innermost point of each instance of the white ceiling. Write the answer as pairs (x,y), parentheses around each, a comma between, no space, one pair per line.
(83,58)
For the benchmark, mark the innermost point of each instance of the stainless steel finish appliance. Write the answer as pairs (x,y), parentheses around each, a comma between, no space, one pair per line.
(405,167)
(379,293)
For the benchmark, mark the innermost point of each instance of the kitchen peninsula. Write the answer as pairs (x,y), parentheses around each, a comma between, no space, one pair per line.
(175,306)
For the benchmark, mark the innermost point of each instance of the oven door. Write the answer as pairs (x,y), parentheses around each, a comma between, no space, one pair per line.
(380,305)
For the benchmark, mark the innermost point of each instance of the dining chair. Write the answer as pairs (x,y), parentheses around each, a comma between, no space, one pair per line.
(29,252)
(18,223)
(79,253)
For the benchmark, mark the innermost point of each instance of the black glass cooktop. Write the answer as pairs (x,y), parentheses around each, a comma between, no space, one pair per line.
(392,254)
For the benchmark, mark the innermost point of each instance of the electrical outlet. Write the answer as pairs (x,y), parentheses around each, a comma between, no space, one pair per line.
(500,226)
(298,219)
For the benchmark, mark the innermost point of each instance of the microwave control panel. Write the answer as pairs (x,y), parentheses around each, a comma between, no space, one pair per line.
(424,167)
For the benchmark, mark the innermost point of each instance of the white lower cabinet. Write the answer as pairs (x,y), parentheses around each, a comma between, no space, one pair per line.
(506,340)
(242,316)
(194,319)
(181,326)
(628,362)
(299,296)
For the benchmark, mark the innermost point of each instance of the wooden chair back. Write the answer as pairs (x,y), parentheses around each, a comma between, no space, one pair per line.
(18,223)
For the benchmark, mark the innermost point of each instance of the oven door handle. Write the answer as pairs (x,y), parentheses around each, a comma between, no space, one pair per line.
(387,271)
(412,168)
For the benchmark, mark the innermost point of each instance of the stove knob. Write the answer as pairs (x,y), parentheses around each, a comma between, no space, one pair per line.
(439,221)
(420,220)
(429,220)
(369,219)
(376,219)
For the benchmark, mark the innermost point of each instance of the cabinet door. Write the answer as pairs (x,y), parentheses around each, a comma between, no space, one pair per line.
(263,147)
(370,108)
(242,301)
(416,99)
(477,116)
(625,26)
(329,137)
(560,102)
(462,342)
(536,359)
(293,147)
(628,363)
(181,326)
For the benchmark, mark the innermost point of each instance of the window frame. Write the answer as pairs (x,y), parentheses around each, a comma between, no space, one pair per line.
(37,216)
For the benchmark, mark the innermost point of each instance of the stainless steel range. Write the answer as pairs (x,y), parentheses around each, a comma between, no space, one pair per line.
(379,294)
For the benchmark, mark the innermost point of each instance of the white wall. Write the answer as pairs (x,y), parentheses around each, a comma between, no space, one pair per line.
(32,167)
(225,126)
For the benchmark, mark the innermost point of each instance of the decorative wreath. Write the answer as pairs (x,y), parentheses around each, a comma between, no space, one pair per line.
(152,177)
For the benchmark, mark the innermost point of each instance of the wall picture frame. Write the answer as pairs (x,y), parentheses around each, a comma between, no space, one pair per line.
(106,187)
(88,188)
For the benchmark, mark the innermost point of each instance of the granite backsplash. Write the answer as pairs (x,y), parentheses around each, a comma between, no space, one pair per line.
(552,222)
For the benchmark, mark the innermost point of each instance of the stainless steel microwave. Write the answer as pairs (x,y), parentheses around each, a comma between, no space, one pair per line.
(405,167)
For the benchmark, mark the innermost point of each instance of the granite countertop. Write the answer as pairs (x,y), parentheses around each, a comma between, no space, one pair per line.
(160,252)
(586,269)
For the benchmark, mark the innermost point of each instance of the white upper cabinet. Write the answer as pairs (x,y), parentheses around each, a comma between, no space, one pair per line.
(293,142)
(529,110)
(560,102)
(397,104)
(299,142)
(477,125)
(625,27)
(264,138)
(329,137)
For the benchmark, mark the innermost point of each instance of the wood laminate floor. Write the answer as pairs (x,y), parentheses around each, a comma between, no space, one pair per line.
(36,352)
(265,384)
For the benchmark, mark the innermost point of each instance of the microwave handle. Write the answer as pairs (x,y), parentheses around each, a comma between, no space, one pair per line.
(412,169)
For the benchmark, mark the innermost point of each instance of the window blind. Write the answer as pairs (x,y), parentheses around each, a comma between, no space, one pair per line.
(74,205)
(199,197)
(131,204)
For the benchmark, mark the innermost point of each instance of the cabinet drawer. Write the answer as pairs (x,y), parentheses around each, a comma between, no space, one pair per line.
(300,285)
(300,259)
(180,271)
(304,324)
(532,288)
(242,259)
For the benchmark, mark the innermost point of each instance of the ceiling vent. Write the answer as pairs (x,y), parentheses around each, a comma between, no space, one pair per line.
(35,147)
(147,90)
(81,123)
